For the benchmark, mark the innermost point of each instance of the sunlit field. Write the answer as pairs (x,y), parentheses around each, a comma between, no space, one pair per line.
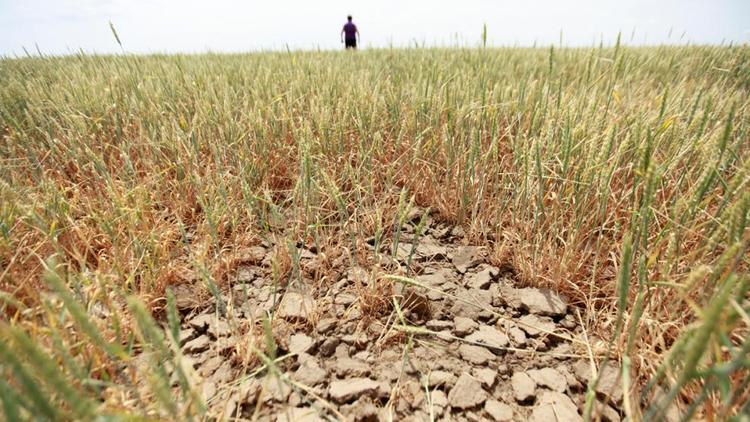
(618,177)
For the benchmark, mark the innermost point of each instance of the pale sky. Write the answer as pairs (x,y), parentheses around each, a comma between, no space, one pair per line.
(164,26)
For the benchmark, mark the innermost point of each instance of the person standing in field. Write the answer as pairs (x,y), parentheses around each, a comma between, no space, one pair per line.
(349,34)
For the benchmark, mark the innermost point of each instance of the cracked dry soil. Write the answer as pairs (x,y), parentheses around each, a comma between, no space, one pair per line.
(466,345)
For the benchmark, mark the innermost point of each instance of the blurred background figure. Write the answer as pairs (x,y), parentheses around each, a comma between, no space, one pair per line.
(349,34)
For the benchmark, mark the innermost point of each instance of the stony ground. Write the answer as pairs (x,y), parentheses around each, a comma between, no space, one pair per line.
(464,344)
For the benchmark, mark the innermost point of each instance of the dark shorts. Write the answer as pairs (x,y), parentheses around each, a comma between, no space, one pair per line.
(350,43)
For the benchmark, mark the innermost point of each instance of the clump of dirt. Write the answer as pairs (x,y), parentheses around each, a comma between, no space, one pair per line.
(457,342)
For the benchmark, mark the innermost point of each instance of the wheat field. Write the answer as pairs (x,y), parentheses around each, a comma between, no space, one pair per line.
(617,176)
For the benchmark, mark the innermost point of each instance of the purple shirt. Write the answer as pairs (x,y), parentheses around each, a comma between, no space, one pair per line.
(350,31)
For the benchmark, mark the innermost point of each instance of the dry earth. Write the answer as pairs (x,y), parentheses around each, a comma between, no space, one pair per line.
(468,345)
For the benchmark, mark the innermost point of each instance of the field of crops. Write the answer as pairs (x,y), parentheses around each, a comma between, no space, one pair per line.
(617,177)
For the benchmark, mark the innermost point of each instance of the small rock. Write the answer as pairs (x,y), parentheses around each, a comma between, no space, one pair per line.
(542,302)
(434,295)
(550,378)
(606,412)
(413,393)
(534,325)
(498,411)
(435,279)
(568,322)
(384,390)
(560,350)
(482,279)
(609,385)
(342,351)
(197,345)
(430,251)
(473,304)
(295,306)
(310,373)
(582,370)
(466,257)
(570,379)
(489,336)
(518,336)
(449,287)
(467,393)
(475,354)
(326,324)
(610,382)
(555,406)
(503,369)
(463,326)
(300,343)
(343,391)
(364,355)
(441,378)
(348,367)
(328,348)
(276,390)
(486,376)
(523,386)
(439,401)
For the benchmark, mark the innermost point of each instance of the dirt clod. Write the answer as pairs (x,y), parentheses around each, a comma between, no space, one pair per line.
(542,302)
(441,378)
(348,367)
(498,411)
(550,378)
(300,343)
(555,406)
(296,306)
(467,393)
(343,391)
(197,345)
(486,376)
(489,336)
(533,325)
(464,326)
(523,386)
(475,354)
